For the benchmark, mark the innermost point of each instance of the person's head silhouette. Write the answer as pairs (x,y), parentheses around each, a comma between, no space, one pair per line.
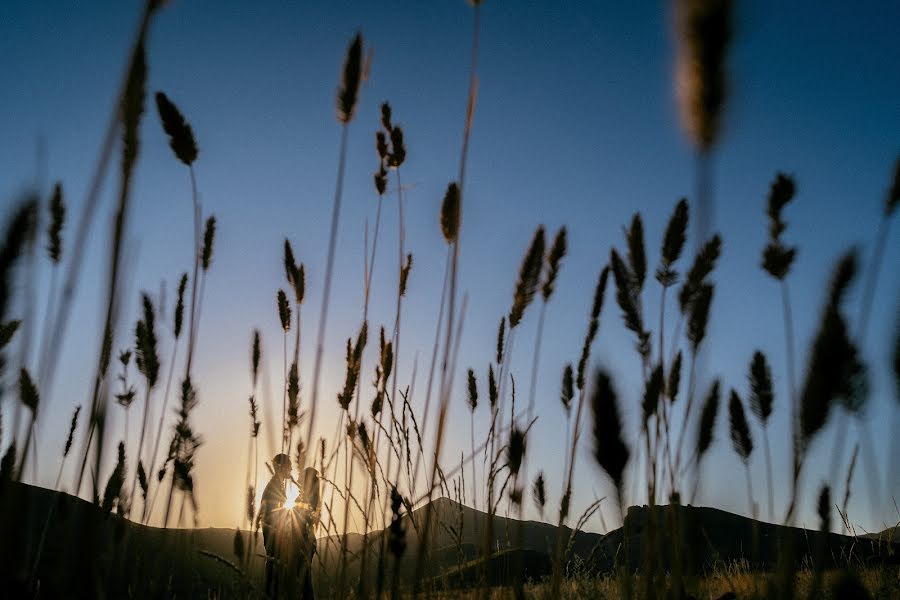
(281,464)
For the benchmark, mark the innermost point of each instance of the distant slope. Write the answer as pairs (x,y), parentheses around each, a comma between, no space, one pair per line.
(86,550)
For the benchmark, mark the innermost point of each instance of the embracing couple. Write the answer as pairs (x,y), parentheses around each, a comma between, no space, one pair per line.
(289,531)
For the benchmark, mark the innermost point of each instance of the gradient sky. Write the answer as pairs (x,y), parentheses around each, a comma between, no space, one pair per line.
(575,125)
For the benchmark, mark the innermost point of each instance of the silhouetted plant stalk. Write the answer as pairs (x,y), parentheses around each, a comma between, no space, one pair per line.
(694,299)
(57,326)
(703,37)
(672,245)
(147,362)
(741,441)
(181,140)
(834,369)
(449,207)
(593,328)
(777,259)
(296,278)
(130,110)
(68,445)
(352,76)
(178,322)
(761,400)
(705,431)
(57,211)
(284,316)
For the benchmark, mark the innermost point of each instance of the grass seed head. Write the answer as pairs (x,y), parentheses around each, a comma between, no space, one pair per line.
(539,492)
(515,451)
(529,276)
(146,357)
(350,81)
(673,244)
(761,394)
(567,388)
(593,325)
(892,201)
(142,479)
(610,450)
(740,430)
(398,148)
(835,370)
(705,434)
(674,378)
(501,332)
(699,316)
(181,137)
(652,391)
(132,108)
(704,33)
(450,213)
(208,238)
(381,146)
(255,355)
(554,258)
(179,305)
(824,509)
(19,232)
(704,263)
(473,390)
(492,387)
(404,274)
(28,392)
(57,220)
(293,395)
(637,257)
(72,427)
(386,118)
(284,310)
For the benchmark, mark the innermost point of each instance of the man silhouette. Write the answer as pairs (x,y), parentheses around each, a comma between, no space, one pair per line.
(271,513)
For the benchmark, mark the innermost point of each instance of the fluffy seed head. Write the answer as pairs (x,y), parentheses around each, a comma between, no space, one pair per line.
(761,394)
(450,213)
(610,450)
(350,81)
(57,220)
(181,138)
(740,430)
(208,237)
(284,311)
(567,388)
(704,32)
(529,275)
(554,257)
(179,305)
(673,243)
(708,420)
(473,390)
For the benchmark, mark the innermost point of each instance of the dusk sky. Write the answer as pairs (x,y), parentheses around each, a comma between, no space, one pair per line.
(576,124)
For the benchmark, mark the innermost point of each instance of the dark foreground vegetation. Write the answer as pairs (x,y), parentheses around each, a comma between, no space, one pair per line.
(128,559)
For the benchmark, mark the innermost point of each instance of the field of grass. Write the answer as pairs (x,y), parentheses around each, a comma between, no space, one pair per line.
(386,460)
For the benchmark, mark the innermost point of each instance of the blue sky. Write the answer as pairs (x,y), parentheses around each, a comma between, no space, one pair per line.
(575,125)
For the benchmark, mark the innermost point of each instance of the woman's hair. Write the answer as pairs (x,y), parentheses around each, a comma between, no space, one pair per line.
(310,487)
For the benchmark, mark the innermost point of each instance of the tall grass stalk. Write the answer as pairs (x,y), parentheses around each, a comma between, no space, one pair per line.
(131,109)
(178,320)
(347,98)
(57,326)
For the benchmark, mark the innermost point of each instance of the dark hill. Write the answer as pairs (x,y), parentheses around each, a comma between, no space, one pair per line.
(86,550)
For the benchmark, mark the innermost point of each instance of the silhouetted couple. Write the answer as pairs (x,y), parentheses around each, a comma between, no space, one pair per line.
(289,531)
